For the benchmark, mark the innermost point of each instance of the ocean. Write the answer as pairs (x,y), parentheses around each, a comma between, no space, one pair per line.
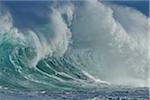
(73,50)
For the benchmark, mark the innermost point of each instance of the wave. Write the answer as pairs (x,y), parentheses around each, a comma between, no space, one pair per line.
(86,45)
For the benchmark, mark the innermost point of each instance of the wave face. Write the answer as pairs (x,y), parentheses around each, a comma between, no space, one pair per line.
(72,45)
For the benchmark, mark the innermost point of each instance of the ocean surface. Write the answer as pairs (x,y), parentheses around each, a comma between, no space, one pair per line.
(106,93)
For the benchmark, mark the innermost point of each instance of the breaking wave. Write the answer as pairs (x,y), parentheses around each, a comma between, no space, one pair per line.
(80,45)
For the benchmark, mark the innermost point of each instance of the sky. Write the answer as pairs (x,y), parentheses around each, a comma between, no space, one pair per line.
(141,5)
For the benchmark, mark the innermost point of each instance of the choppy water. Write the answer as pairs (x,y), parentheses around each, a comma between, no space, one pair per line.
(102,94)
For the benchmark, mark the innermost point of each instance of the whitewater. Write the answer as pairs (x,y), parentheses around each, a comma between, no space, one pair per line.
(84,45)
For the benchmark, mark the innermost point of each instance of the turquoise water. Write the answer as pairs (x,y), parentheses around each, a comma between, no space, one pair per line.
(50,73)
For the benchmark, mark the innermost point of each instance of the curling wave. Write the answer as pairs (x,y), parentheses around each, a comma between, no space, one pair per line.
(80,46)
